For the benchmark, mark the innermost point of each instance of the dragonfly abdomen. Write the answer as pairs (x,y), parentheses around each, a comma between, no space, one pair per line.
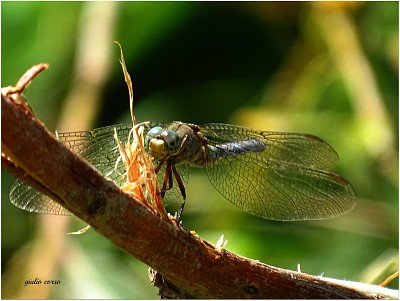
(235,148)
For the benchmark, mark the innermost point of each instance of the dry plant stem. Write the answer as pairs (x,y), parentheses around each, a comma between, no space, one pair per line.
(26,79)
(191,264)
(29,259)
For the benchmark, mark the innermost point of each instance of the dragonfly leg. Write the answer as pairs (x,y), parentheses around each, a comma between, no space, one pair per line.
(157,169)
(168,179)
(167,182)
(170,171)
(181,188)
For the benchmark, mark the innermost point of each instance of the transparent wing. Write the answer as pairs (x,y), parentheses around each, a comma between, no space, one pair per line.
(303,149)
(27,198)
(279,190)
(276,175)
(99,148)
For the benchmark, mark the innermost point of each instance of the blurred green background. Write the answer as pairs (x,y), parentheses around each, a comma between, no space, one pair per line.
(329,69)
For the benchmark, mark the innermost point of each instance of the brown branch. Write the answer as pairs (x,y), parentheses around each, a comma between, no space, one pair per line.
(190,265)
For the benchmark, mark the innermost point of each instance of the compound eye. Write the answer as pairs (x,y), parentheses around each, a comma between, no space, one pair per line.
(173,141)
(153,133)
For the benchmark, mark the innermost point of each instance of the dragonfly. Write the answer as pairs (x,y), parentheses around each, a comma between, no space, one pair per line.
(274,175)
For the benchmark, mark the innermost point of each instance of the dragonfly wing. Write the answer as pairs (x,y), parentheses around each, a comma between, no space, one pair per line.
(27,198)
(277,190)
(298,148)
(99,148)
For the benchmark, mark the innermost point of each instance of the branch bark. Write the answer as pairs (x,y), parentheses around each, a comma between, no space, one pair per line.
(190,265)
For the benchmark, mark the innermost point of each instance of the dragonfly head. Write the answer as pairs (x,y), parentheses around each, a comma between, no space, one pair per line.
(163,143)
